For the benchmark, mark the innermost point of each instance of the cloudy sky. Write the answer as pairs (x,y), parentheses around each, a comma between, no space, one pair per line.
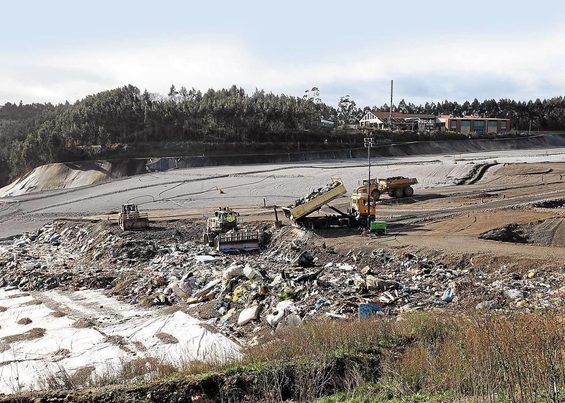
(434,50)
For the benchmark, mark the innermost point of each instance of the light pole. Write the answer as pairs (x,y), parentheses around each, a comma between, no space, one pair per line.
(368,143)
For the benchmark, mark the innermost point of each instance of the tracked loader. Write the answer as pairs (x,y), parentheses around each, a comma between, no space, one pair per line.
(224,233)
(130,218)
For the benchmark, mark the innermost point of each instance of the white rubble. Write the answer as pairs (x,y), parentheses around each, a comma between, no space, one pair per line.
(112,334)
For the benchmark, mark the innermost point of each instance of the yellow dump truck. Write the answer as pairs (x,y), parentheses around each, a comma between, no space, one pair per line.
(396,187)
(300,211)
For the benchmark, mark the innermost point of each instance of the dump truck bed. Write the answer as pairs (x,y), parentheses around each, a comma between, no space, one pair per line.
(397,182)
(295,212)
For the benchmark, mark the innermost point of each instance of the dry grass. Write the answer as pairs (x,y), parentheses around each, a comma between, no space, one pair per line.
(139,368)
(58,314)
(485,357)
(23,294)
(83,324)
(82,376)
(468,357)
(520,357)
(32,302)
(166,338)
(24,321)
(317,339)
(32,334)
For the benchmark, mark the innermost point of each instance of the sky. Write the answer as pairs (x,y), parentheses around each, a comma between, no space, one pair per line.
(434,50)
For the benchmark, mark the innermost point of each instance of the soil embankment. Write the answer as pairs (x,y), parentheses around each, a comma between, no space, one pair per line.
(75,174)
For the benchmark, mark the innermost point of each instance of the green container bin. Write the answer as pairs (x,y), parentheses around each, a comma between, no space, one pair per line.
(378,227)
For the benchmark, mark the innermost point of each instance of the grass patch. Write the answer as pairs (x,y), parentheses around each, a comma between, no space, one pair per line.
(58,314)
(35,333)
(418,357)
(24,321)
(23,294)
(166,338)
(83,324)
(376,393)
(32,302)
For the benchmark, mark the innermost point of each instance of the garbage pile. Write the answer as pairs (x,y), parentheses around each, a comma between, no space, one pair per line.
(315,193)
(297,277)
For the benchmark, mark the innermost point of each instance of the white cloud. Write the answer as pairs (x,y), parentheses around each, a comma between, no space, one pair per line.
(522,67)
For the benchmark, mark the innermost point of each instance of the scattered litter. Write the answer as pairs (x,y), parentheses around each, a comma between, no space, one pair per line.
(295,278)
(367,311)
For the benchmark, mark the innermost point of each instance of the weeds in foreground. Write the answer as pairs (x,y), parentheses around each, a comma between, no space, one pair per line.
(419,357)
(516,357)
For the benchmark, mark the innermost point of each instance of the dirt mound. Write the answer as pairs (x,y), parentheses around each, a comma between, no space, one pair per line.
(550,232)
(558,203)
(74,174)
(509,233)
(70,175)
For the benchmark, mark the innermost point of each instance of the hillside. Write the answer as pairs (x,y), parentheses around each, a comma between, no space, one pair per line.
(113,124)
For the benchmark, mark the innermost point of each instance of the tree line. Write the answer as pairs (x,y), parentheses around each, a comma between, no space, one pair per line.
(543,115)
(35,134)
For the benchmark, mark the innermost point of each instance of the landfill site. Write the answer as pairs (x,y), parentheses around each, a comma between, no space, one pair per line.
(197,263)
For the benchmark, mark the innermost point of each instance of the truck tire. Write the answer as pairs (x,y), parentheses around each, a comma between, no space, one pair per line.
(408,191)
(398,192)
(376,195)
(362,221)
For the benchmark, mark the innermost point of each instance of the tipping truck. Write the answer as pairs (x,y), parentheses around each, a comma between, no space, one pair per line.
(224,233)
(131,218)
(396,187)
(300,212)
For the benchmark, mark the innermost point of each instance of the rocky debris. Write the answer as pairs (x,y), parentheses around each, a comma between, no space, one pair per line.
(315,193)
(248,315)
(542,232)
(509,233)
(557,203)
(513,294)
(295,278)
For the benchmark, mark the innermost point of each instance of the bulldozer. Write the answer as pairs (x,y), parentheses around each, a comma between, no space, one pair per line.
(131,218)
(223,232)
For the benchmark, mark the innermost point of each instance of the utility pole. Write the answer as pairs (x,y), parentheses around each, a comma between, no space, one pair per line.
(390,113)
(368,143)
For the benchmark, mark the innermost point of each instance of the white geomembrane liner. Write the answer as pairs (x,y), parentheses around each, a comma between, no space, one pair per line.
(110,334)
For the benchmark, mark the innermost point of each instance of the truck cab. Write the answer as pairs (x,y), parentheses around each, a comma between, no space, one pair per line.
(360,206)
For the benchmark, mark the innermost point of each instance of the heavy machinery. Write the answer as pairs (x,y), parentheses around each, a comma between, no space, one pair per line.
(396,187)
(357,215)
(131,218)
(223,232)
